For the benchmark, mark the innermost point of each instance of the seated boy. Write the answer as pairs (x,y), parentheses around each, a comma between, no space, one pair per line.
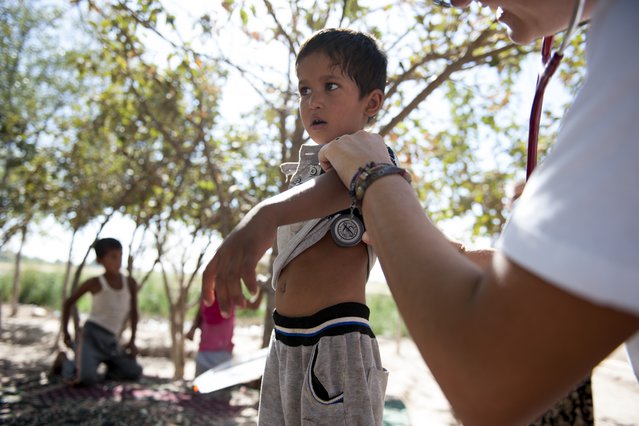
(114,299)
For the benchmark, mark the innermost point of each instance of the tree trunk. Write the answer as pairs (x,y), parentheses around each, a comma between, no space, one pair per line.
(176,325)
(74,286)
(65,284)
(177,342)
(67,271)
(179,358)
(15,293)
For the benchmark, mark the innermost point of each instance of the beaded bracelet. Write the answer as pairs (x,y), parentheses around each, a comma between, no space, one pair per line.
(368,174)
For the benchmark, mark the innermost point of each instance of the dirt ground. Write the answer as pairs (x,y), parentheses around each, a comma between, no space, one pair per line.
(29,396)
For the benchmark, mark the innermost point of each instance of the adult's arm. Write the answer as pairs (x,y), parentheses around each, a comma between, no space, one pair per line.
(241,250)
(502,343)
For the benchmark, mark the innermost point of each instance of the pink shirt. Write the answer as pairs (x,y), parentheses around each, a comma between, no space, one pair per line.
(217,332)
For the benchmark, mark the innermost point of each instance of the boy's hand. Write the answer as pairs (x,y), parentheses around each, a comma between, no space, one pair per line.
(190,334)
(67,339)
(236,259)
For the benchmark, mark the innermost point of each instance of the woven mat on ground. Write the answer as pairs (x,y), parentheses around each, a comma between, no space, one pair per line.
(32,398)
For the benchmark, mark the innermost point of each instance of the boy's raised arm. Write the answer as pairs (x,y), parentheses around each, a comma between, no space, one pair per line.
(239,253)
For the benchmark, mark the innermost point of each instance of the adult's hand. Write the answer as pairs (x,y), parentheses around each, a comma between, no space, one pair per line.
(349,152)
(236,259)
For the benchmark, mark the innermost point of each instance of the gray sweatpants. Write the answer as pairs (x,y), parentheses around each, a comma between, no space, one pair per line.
(324,369)
(98,345)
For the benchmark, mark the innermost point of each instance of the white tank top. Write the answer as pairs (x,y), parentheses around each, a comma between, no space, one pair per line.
(110,307)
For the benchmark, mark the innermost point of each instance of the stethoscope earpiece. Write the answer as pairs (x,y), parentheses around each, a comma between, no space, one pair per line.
(550,63)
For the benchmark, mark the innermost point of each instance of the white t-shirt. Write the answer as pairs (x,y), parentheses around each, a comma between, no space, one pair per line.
(577,222)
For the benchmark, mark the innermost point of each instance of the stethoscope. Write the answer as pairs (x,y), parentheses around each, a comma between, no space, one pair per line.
(550,64)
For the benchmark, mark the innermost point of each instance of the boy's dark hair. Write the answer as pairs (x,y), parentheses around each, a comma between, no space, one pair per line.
(356,53)
(105,245)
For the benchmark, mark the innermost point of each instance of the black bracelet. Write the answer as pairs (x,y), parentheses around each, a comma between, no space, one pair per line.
(368,174)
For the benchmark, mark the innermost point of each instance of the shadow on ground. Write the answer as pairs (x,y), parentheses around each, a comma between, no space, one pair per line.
(30,395)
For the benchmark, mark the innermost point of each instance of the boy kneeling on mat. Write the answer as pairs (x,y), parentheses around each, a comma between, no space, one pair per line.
(114,299)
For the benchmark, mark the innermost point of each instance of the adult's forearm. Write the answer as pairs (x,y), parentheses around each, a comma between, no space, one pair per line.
(432,283)
(426,274)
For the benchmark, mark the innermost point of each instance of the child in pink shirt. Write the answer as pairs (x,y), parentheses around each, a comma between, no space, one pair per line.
(216,337)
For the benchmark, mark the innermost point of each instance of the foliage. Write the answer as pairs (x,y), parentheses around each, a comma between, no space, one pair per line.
(35,82)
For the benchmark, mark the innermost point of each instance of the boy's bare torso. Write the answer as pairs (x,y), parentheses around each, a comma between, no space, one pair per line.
(321,276)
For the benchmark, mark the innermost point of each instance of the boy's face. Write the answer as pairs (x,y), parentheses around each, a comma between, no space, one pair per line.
(330,104)
(112,261)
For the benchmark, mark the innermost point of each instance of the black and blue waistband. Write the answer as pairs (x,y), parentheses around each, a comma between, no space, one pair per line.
(335,320)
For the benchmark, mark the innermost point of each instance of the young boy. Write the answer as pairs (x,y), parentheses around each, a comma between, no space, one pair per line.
(114,299)
(324,363)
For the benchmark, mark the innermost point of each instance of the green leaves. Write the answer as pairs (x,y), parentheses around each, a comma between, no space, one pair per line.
(146,130)
(36,79)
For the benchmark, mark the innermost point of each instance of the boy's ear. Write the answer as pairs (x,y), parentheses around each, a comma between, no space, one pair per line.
(374,104)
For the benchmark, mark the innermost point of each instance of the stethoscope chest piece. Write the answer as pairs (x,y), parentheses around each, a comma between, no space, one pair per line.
(347,230)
